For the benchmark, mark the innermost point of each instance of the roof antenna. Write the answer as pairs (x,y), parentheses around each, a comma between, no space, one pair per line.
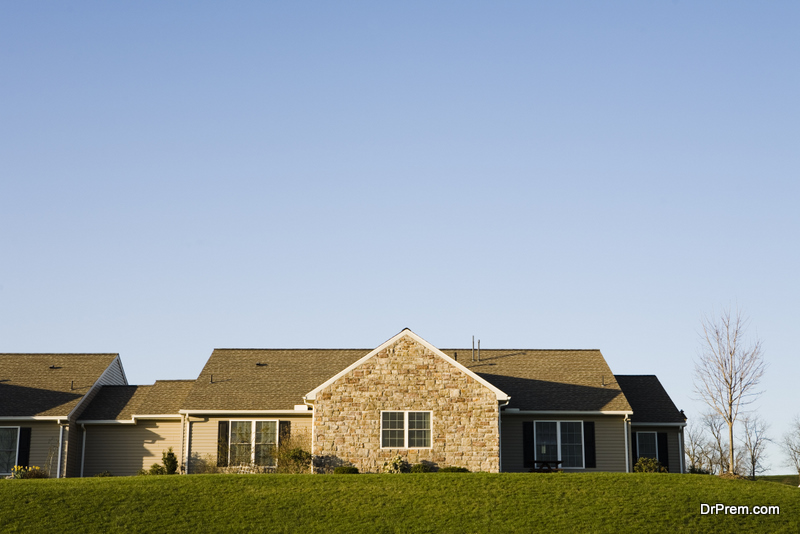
(72,385)
(473,348)
(455,355)
(212,379)
(479,350)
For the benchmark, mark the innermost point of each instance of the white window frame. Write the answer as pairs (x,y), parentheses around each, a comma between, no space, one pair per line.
(655,440)
(405,429)
(16,450)
(253,437)
(558,443)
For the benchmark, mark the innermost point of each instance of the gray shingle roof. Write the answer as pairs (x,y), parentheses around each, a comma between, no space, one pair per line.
(544,380)
(47,384)
(278,384)
(649,399)
(535,379)
(122,402)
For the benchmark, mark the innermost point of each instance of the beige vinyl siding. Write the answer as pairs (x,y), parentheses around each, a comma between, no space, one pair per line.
(673,445)
(203,434)
(73,444)
(609,436)
(124,449)
(44,443)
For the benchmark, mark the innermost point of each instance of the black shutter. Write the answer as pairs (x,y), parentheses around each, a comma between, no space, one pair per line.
(284,431)
(663,449)
(588,444)
(222,444)
(635,445)
(528,446)
(24,452)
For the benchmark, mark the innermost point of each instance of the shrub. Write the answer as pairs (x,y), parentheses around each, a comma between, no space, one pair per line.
(157,469)
(421,468)
(21,472)
(170,461)
(454,469)
(294,460)
(695,470)
(396,465)
(649,465)
(104,474)
(345,470)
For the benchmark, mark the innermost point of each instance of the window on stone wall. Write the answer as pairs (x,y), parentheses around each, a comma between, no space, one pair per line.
(405,430)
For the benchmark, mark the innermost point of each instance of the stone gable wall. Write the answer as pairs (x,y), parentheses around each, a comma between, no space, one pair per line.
(407,376)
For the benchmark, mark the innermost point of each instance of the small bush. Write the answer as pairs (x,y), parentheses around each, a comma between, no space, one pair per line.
(454,469)
(421,468)
(345,470)
(649,465)
(20,472)
(170,462)
(396,465)
(695,470)
(104,474)
(294,460)
(157,469)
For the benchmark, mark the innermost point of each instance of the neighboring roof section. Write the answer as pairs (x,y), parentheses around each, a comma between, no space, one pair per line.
(48,384)
(501,395)
(122,403)
(549,380)
(649,399)
(264,379)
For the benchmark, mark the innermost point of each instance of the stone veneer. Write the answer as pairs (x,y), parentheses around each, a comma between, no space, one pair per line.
(408,376)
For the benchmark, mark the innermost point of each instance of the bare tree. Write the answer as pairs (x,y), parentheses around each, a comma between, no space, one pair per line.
(754,442)
(728,370)
(717,450)
(791,444)
(697,449)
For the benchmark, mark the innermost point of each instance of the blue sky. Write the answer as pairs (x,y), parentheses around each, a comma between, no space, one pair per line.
(176,177)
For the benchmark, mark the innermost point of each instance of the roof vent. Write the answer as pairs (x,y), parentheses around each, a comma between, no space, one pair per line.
(259,364)
(55,367)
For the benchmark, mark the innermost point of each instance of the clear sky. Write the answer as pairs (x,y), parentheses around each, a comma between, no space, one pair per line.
(176,177)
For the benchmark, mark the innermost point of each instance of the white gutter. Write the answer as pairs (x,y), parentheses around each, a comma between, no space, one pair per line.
(58,418)
(627,447)
(228,412)
(131,421)
(567,412)
(680,425)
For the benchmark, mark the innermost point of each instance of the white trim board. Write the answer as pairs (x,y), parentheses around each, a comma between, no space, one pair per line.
(501,395)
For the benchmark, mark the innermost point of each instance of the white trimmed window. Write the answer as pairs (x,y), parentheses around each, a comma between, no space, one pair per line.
(9,443)
(253,443)
(405,430)
(647,445)
(559,441)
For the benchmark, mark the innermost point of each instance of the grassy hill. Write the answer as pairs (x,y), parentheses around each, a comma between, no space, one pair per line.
(436,502)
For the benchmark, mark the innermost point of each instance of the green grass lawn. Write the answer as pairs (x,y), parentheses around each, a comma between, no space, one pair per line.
(435,502)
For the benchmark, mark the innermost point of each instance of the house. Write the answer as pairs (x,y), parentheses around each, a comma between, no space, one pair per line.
(41,396)
(490,410)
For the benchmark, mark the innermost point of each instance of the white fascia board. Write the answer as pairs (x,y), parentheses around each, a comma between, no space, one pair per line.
(107,422)
(567,412)
(34,418)
(634,423)
(238,412)
(501,395)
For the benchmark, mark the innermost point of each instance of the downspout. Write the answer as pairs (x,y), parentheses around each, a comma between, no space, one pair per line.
(313,420)
(185,441)
(83,448)
(627,447)
(60,448)
(500,436)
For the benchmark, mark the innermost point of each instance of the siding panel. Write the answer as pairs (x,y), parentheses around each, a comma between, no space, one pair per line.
(125,449)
